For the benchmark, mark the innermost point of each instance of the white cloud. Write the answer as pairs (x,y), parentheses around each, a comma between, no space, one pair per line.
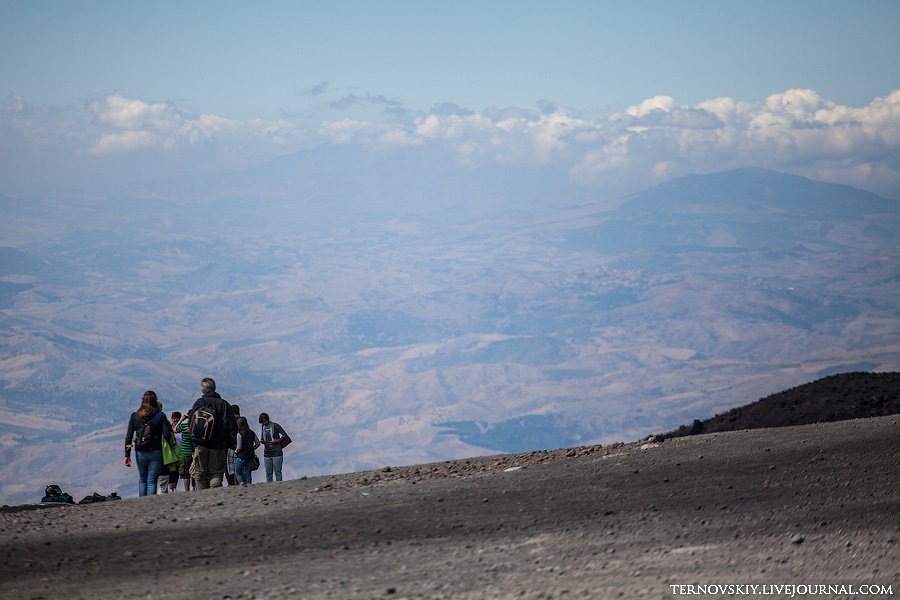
(127,113)
(128,124)
(510,136)
(368,134)
(347,131)
(796,131)
(656,139)
(126,141)
(651,105)
(552,134)
(453,126)
(400,137)
(797,104)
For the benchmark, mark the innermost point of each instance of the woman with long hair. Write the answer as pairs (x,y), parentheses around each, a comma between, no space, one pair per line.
(146,429)
(247,443)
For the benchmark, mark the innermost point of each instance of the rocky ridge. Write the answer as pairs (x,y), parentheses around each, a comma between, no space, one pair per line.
(837,397)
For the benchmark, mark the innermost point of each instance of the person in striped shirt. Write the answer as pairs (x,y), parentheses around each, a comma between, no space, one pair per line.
(187,449)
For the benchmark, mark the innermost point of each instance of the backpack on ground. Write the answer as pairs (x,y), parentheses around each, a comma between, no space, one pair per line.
(95,497)
(54,495)
(142,436)
(203,422)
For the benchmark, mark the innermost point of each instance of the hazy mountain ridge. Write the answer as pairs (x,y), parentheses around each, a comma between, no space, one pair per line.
(752,190)
(365,334)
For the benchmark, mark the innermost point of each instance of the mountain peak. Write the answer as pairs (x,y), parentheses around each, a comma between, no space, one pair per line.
(760,189)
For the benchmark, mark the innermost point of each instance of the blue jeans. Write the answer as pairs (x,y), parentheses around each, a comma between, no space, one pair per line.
(243,469)
(273,463)
(149,465)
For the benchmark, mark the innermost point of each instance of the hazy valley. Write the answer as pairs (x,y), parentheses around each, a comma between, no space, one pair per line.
(380,333)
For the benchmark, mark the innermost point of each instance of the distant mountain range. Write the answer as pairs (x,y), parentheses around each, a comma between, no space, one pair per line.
(378,330)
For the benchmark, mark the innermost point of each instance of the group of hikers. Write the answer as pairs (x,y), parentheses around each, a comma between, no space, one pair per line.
(216,443)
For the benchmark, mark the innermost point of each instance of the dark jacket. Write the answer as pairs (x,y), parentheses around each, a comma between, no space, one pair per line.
(159,428)
(248,445)
(225,427)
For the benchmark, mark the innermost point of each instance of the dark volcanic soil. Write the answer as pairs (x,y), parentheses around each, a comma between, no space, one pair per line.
(815,504)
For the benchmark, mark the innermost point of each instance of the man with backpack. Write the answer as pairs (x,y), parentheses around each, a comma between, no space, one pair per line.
(213,428)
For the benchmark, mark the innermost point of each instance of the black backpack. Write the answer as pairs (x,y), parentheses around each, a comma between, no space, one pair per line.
(142,436)
(53,494)
(95,497)
(203,423)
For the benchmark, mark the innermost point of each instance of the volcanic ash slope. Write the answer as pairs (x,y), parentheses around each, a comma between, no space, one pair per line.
(813,504)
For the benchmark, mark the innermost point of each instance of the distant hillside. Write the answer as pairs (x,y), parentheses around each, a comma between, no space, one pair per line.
(834,398)
(386,332)
(758,191)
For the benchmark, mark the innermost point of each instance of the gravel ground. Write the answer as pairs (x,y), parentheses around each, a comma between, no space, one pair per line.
(808,505)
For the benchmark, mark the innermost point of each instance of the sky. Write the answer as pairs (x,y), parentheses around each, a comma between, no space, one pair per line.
(618,93)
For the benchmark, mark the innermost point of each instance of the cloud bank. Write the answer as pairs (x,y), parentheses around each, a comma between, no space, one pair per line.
(129,124)
(656,139)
